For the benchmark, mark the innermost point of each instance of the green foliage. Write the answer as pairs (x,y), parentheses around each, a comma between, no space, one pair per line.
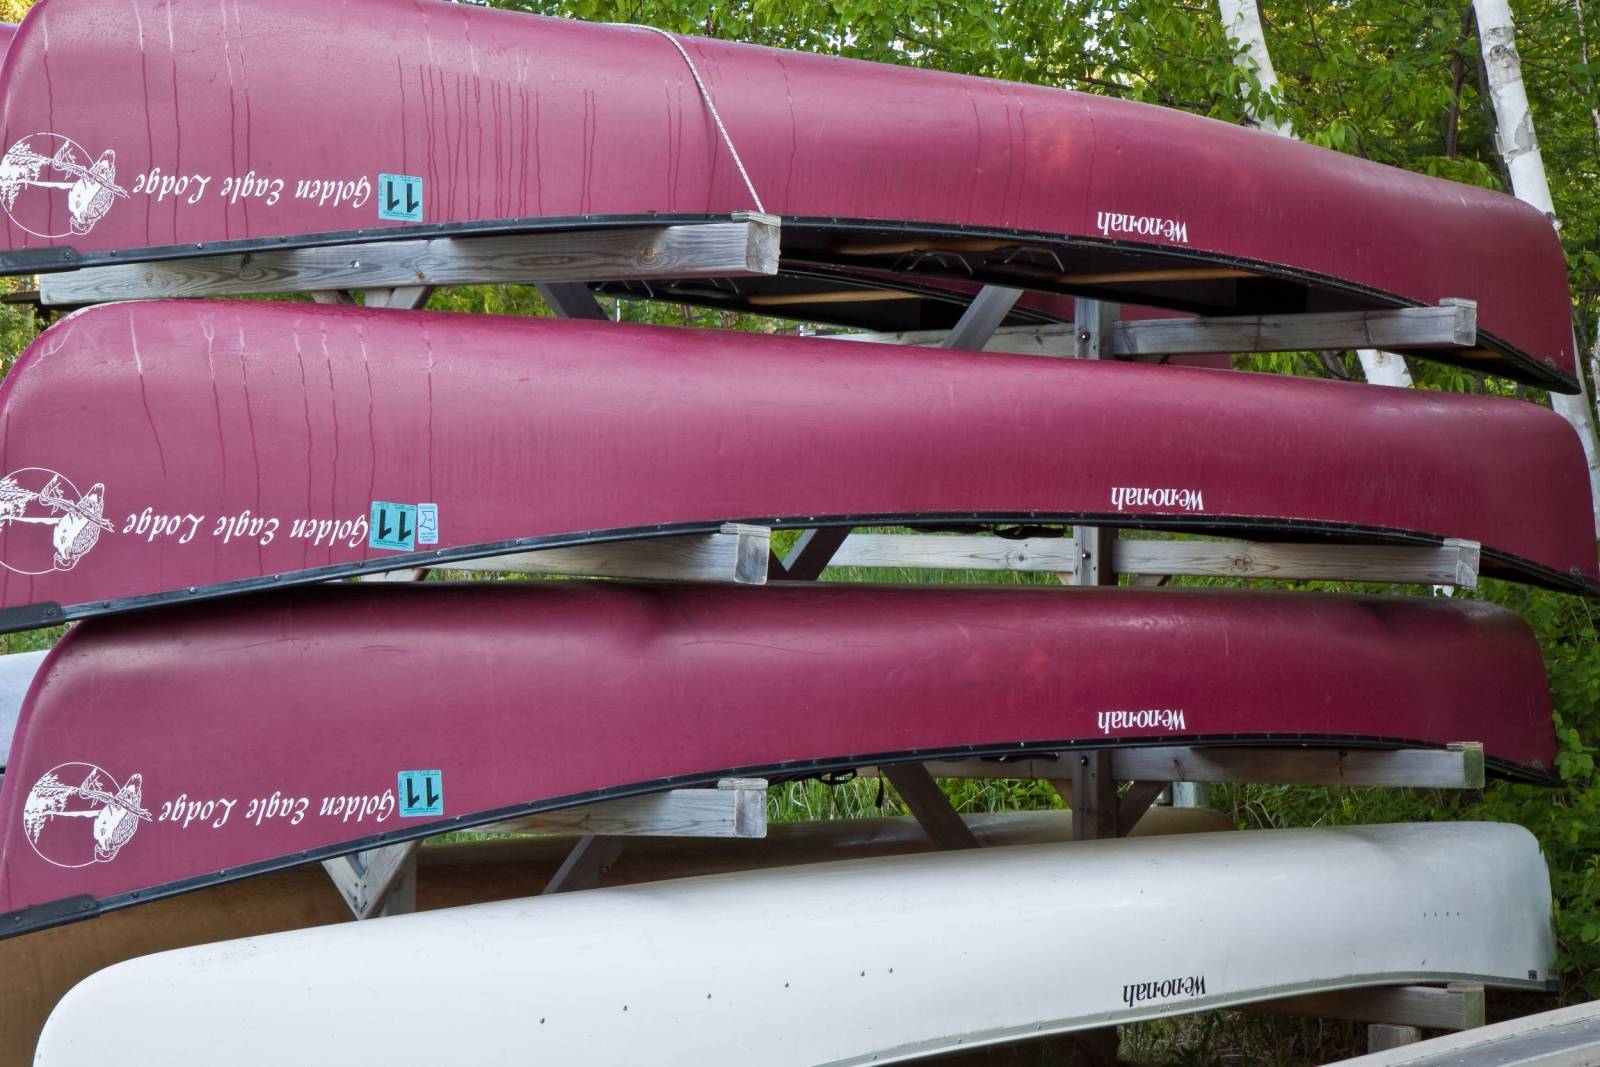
(858,798)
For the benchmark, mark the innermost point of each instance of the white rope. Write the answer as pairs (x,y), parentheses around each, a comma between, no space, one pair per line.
(705,94)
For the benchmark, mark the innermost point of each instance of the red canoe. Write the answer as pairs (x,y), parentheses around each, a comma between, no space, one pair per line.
(165,451)
(157,128)
(213,741)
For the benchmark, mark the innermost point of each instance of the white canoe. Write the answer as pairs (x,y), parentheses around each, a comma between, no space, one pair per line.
(870,961)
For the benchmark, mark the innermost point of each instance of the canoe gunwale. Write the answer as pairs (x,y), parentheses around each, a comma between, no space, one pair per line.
(51,613)
(1516,363)
(84,906)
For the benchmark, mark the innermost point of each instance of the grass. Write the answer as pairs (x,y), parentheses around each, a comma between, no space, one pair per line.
(860,798)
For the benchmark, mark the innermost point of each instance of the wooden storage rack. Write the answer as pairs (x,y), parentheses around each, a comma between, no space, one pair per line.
(1106,788)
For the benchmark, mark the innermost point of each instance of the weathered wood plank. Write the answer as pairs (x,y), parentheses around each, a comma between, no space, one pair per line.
(736,808)
(1132,804)
(955,552)
(377,881)
(1454,324)
(746,246)
(982,317)
(1461,766)
(737,553)
(1458,1006)
(1382,1037)
(1453,563)
(590,857)
(1458,767)
(1092,796)
(930,807)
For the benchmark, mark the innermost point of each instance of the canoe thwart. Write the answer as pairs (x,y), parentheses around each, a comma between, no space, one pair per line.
(685,250)
(1458,766)
(1457,1006)
(737,553)
(1455,562)
(737,807)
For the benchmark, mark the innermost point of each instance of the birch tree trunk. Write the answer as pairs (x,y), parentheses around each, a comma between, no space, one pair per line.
(1520,149)
(1242,21)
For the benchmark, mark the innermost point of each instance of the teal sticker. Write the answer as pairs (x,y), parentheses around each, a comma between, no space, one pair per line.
(421,793)
(400,197)
(394,526)
(427,524)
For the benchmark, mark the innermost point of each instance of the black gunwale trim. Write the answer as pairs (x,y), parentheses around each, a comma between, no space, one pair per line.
(59,258)
(71,909)
(50,613)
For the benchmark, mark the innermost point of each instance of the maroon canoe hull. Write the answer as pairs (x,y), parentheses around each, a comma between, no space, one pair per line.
(162,451)
(210,128)
(266,733)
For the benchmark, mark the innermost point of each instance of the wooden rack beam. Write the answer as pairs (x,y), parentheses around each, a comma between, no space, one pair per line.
(1459,766)
(1453,324)
(930,807)
(383,881)
(982,317)
(1457,1006)
(1453,563)
(735,554)
(379,881)
(746,244)
(589,858)
(737,807)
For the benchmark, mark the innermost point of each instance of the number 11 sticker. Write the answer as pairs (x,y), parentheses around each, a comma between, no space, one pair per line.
(394,526)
